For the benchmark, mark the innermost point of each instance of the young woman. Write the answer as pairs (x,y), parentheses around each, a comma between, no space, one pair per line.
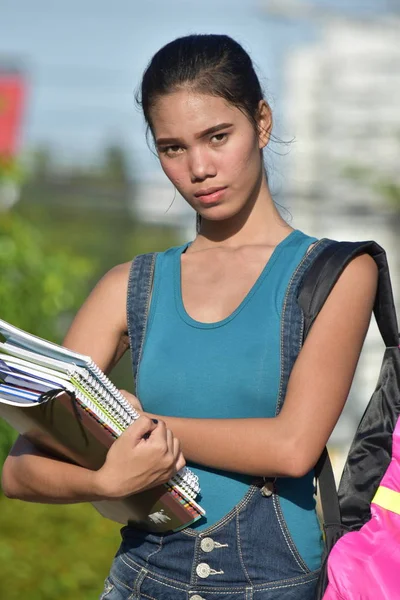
(220,369)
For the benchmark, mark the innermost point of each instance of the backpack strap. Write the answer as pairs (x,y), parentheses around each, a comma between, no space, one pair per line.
(140,285)
(316,286)
(326,270)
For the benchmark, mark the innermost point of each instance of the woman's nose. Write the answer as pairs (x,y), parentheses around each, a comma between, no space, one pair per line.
(201,165)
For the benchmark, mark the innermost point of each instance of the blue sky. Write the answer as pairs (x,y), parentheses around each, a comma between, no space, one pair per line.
(84,60)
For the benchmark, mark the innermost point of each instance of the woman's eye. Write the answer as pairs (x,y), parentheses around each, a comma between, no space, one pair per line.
(219,137)
(171,150)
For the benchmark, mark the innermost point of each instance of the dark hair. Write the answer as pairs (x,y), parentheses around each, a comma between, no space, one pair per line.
(205,63)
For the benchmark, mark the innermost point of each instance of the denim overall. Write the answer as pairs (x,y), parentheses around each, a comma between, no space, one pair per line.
(249,553)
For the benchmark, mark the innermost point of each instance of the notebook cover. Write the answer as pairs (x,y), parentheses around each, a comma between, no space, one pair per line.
(61,426)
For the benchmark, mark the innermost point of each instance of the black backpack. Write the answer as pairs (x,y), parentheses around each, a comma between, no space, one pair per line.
(370,453)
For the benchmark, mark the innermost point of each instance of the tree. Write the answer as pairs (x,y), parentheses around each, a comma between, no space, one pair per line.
(63,214)
(37,287)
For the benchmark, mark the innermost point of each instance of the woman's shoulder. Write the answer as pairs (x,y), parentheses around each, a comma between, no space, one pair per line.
(111,289)
(173,250)
(118,275)
(362,264)
(361,270)
(160,254)
(166,259)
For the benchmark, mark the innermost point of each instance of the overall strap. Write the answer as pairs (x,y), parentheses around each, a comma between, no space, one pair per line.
(140,285)
(316,286)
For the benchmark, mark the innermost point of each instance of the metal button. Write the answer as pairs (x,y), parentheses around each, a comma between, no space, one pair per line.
(207,544)
(268,489)
(203,570)
(196,597)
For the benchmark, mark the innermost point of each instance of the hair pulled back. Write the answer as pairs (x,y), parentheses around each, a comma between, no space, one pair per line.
(203,63)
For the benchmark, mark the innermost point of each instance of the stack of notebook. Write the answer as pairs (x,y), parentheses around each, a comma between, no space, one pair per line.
(66,405)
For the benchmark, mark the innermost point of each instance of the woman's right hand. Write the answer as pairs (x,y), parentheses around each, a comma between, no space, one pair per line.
(146,454)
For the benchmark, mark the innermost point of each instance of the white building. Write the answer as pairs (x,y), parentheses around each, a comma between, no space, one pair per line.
(342,106)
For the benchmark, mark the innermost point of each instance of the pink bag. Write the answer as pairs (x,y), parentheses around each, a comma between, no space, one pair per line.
(365,564)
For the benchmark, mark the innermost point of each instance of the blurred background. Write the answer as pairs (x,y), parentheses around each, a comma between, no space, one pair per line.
(80,189)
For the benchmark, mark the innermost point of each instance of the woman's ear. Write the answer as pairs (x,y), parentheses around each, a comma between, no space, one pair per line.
(264,121)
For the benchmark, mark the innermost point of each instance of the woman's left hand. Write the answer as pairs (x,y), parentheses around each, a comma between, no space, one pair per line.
(132,400)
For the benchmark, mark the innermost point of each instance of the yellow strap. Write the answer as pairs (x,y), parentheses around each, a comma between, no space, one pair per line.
(388,499)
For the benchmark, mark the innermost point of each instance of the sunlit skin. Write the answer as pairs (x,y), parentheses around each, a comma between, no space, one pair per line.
(204,142)
(239,232)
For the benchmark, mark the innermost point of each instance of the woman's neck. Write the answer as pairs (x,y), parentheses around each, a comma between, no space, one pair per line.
(258,223)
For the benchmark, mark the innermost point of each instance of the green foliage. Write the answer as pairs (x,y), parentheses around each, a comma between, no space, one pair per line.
(63,235)
(357,173)
(7,438)
(386,189)
(53,552)
(36,286)
(37,283)
(390,191)
(42,548)
(10,169)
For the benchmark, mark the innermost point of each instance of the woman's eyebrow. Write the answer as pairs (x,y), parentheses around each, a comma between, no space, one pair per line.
(215,128)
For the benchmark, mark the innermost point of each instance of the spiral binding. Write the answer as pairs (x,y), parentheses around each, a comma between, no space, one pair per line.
(94,381)
(109,406)
(113,390)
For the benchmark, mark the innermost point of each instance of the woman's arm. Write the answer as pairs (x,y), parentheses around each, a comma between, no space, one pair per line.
(133,463)
(100,328)
(146,454)
(291,443)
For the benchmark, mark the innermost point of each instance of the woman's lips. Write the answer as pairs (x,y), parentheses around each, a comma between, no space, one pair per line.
(211,198)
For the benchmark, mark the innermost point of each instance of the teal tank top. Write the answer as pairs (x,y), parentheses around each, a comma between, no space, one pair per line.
(222,370)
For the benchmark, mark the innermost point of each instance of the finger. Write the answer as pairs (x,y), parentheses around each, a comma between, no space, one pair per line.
(160,432)
(170,441)
(181,462)
(176,448)
(141,427)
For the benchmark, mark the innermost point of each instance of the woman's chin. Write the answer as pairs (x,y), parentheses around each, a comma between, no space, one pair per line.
(218,213)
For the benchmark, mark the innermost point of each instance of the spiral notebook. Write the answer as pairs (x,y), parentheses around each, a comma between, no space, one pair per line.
(66,405)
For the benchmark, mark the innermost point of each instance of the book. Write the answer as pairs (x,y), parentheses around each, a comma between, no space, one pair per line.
(65,405)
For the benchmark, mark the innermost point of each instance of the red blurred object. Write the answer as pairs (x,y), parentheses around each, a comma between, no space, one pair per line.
(12,94)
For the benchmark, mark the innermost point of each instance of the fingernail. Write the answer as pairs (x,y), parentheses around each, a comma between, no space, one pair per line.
(155,421)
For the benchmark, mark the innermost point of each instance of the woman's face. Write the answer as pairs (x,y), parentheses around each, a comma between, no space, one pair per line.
(209,150)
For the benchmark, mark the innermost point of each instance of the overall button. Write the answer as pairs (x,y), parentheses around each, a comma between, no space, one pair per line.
(207,544)
(203,570)
(196,597)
